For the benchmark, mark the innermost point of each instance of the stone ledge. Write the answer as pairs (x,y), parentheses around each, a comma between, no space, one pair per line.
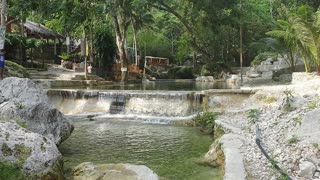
(47,83)
(229,91)
(234,167)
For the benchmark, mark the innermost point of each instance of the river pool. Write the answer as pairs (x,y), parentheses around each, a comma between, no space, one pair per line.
(170,151)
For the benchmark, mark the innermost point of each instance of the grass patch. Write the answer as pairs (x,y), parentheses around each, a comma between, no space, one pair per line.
(269,100)
(293,140)
(312,105)
(297,120)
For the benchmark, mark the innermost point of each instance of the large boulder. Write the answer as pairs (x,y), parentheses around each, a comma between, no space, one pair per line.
(89,171)
(309,129)
(27,155)
(23,100)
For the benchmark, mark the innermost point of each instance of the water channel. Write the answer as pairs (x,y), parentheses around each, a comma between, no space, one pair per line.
(132,126)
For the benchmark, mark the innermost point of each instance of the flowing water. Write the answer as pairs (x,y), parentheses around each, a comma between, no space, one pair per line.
(132,127)
(171,151)
(167,85)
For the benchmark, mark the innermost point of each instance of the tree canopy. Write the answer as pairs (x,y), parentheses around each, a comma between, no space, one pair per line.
(206,30)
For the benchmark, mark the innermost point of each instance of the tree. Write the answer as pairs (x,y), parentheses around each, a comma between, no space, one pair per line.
(299,34)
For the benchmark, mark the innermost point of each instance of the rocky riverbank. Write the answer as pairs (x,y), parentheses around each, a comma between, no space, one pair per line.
(289,119)
(30,129)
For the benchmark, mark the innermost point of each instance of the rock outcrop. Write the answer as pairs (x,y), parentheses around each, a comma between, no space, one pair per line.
(27,155)
(89,171)
(23,100)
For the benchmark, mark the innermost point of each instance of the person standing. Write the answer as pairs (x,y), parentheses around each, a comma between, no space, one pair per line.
(2,64)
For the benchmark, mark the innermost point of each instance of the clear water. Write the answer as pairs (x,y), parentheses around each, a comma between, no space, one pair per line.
(182,85)
(170,151)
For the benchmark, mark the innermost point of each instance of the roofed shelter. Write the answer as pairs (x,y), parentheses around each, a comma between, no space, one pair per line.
(38,31)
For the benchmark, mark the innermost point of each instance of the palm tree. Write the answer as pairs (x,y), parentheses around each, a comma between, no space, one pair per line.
(298,36)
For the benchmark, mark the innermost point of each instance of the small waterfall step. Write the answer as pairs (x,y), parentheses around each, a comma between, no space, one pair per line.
(118,105)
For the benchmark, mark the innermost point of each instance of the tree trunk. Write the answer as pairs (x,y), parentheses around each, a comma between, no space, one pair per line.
(135,46)
(3,12)
(120,39)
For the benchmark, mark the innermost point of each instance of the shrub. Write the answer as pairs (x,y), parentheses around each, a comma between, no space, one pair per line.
(262,57)
(287,100)
(180,73)
(253,115)
(206,121)
(65,56)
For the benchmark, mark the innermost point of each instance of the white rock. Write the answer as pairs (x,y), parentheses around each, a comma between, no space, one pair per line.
(38,156)
(26,101)
(307,169)
(89,171)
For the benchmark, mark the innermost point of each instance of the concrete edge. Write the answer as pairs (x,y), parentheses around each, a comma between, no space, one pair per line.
(229,91)
(234,166)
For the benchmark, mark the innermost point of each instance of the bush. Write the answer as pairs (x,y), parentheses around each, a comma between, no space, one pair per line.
(204,71)
(180,73)
(262,57)
(206,121)
(65,56)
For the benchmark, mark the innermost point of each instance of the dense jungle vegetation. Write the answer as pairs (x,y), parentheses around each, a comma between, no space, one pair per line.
(210,35)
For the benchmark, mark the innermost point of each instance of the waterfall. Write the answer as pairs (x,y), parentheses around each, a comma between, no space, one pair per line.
(130,103)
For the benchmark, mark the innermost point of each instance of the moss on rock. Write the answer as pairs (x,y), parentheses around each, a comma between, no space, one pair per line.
(6,150)
(16,70)
(9,170)
(22,152)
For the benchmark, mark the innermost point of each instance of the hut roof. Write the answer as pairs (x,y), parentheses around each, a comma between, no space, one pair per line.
(40,31)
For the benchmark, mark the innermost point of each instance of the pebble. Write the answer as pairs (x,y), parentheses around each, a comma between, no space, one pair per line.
(276,126)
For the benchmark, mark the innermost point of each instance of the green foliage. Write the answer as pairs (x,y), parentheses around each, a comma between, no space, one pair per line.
(65,56)
(6,150)
(180,73)
(205,71)
(317,146)
(10,170)
(105,47)
(22,123)
(15,39)
(16,70)
(19,105)
(253,115)
(206,120)
(153,44)
(262,57)
(287,100)
(293,140)
(22,152)
(33,43)
(297,120)
(269,100)
(312,105)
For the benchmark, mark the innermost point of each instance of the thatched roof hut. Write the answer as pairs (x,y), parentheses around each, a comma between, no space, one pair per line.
(39,31)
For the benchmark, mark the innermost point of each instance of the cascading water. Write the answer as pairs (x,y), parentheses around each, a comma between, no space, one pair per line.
(139,104)
(100,137)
